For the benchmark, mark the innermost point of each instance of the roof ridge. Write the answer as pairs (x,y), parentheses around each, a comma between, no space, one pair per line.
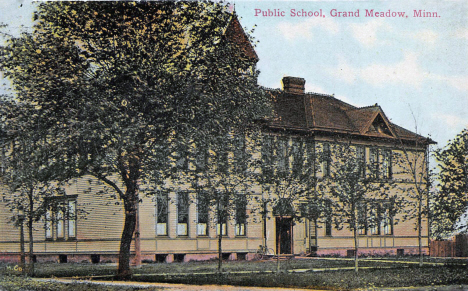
(365,107)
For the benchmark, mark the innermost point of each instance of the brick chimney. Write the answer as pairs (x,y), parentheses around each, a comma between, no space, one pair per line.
(293,85)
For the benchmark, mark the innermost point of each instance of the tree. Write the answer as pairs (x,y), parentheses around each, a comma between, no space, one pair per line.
(222,178)
(449,202)
(360,196)
(112,82)
(25,173)
(413,161)
(285,165)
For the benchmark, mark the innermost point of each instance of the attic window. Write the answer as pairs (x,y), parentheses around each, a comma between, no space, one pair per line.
(380,126)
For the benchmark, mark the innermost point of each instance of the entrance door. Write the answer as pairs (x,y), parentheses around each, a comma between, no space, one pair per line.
(283,235)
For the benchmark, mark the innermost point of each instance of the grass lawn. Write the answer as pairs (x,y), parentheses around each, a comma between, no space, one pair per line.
(337,280)
(16,283)
(386,272)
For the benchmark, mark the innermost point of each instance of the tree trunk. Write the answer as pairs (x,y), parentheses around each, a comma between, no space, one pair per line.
(22,255)
(31,239)
(420,232)
(356,249)
(356,240)
(130,176)
(220,239)
(130,207)
(316,235)
(220,250)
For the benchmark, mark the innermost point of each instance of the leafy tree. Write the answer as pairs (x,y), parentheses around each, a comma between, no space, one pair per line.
(112,82)
(412,160)
(25,173)
(353,190)
(450,200)
(222,177)
(285,168)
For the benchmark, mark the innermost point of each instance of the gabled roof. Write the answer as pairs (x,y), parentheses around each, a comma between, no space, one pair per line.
(320,112)
(235,33)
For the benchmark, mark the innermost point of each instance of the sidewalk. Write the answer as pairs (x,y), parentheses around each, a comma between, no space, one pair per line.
(168,286)
(176,287)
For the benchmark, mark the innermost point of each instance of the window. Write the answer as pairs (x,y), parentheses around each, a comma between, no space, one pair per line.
(387,223)
(60,218)
(328,218)
(222,157)
(161,214)
(362,219)
(182,160)
(267,155)
(361,159)
(240,157)
(201,157)
(375,220)
(374,162)
(325,166)
(60,223)
(182,213)
(222,213)
(298,156)
(71,219)
(49,224)
(281,155)
(387,219)
(241,214)
(387,164)
(310,164)
(202,213)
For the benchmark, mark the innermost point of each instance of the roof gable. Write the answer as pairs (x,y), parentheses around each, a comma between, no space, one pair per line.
(235,34)
(371,120)
(311,112)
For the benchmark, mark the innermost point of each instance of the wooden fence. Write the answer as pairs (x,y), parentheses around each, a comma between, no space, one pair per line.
(457,246)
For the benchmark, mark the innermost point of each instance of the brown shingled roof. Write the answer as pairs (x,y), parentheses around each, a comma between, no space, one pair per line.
(235,33)
(312,111)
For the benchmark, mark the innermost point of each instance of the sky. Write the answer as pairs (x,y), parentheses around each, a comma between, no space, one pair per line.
(415,67)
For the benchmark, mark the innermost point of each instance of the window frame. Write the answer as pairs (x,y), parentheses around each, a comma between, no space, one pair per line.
(374,154)
(387,169)
(202,224)
(183,204)
(72,215)
(241,215)
(162,213)
(326,159)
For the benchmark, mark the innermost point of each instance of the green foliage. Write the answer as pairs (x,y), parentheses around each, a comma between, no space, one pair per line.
(109,84)
(450,200)
(353,190)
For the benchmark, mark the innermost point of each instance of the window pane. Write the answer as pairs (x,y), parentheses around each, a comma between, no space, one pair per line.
(361,158)
(281,155)
(218,228)
(298,156)
(240,229)
(161,229)
(71,218)
(48,225)
(202,229)
(374,162)
(182,213)
(162,203)
(202,213)
(326,160)
(239,153)
(60,225)
(267,155)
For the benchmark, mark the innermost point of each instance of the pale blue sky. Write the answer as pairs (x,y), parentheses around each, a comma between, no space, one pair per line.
(405,65)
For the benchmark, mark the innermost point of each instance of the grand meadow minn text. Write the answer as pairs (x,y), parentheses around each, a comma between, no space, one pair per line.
(338,13)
